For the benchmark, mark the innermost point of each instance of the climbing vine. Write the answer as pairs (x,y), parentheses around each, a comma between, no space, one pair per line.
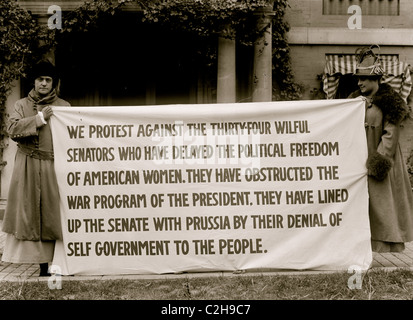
(90,15)
(22,41)
(231,18)
(284,85)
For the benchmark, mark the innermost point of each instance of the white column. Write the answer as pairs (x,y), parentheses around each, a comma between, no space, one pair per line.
(226,84)
(262,80)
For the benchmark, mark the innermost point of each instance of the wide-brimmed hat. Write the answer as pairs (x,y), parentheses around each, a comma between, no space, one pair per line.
(44,68)
(368,63)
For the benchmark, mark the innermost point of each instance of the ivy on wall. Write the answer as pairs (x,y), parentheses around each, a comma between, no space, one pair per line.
(90,15)
(206,18)
(284,86)
(22,42)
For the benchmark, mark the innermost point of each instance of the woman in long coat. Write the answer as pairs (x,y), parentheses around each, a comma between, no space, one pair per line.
(390,192)
(32,216)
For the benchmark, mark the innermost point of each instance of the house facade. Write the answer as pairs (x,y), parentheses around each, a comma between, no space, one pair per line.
(323,38)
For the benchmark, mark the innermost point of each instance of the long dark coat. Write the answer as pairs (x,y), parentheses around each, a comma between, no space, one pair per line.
(390,192)
(32,211)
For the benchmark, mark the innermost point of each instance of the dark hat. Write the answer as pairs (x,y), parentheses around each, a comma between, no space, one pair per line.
(44,68)
(368,63)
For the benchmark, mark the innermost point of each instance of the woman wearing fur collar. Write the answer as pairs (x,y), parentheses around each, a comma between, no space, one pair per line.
(390,192)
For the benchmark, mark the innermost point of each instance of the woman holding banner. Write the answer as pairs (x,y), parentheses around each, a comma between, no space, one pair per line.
(390,192)
(32,216)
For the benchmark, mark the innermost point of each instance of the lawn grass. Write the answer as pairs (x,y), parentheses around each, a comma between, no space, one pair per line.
(376,285)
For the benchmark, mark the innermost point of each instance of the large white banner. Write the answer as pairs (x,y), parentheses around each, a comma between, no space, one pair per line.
(223,187)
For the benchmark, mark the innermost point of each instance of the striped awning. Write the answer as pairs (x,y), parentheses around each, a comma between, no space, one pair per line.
(397,73)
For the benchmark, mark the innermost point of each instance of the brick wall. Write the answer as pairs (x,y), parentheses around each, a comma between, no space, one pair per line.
(309,13)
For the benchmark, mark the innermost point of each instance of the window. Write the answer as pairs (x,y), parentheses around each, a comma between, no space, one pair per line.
(368,7)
